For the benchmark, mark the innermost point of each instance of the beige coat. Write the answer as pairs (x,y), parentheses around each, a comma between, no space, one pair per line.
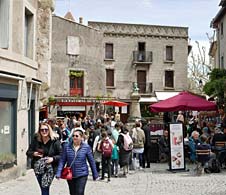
(138,137)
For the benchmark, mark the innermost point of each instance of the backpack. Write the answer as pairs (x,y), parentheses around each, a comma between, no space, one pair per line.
(106,148)
(128,142)
(213,166)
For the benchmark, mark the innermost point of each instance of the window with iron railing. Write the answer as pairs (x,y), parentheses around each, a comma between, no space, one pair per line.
(144,87)
(142,56)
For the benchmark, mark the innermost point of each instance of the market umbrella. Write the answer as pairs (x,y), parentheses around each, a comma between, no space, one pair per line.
(183,101)
(114,103)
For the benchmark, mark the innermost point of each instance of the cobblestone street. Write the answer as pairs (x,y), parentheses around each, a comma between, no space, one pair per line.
(154,181)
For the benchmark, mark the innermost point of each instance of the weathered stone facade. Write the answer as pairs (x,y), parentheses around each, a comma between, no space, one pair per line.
(124,38)
(88,60)
(23,51)
(218,47)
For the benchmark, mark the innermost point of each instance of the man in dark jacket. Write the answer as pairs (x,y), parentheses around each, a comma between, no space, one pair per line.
(147,146)
(164,147)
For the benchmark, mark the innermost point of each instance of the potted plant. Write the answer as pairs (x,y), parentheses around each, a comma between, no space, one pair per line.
(1,162)
(52,99)
(8,160)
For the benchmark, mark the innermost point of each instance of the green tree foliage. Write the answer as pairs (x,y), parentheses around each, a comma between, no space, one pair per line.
(216,85)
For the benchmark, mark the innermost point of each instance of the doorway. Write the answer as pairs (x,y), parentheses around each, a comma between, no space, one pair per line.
(141,51)
(141,81)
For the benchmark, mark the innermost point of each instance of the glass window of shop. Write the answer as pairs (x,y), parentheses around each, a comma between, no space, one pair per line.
(7,130)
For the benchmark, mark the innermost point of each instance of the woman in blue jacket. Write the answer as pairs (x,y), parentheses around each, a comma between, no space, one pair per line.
(75,154)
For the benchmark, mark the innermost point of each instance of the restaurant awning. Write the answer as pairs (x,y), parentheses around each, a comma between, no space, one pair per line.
(163,95)
(148,100)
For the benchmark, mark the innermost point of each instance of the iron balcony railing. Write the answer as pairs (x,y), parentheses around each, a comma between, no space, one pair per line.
(142,56)
(144,88)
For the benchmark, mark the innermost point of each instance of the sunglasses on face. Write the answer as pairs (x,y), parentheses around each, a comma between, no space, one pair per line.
(75,135)
(44,129)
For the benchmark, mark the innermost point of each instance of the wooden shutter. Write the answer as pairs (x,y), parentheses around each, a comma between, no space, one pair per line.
(110,77)
(109,51)
(169,53)
(169,79)
(141,80)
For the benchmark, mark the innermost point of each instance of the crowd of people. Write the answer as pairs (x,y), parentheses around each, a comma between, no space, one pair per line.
(205,134)
(109,147)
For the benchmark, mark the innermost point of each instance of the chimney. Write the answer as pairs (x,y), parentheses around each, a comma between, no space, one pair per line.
(69,16)
(81,20)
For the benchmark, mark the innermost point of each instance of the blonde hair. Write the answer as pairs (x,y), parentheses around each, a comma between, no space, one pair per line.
(53,135)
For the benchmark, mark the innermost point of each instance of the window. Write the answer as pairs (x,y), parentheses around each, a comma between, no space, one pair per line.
(108,51)
(4,24)
(169,79)
(169,53)
(109,77)
(141,51)
(222,61)
(7,141)
(222,28)
(76,83)
(28,33)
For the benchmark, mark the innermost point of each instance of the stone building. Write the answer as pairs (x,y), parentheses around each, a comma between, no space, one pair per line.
(152,57)
(24,61)
(133,63)
(218,46)
(77,69)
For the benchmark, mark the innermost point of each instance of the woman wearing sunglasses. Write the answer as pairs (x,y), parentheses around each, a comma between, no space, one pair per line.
(45,151)
(75,154)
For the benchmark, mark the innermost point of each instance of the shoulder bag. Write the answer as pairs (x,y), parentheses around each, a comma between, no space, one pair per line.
(67,171)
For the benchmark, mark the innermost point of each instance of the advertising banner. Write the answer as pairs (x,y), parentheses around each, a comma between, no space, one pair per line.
(177,158)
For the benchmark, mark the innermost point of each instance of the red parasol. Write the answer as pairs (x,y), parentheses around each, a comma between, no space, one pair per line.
(114,103)
(183,101)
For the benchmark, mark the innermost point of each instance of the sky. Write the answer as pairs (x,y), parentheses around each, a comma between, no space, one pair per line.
(194,14)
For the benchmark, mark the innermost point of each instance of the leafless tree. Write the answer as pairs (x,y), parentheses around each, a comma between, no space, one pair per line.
(199,66)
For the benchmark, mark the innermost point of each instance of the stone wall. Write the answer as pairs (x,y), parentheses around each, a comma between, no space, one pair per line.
(125,38)
(89,60)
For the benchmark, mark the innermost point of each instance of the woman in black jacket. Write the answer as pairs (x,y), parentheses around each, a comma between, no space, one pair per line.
(124,155)
(45,151)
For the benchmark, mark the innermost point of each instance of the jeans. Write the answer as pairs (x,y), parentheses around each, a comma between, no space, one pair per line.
(114,169)
(106,166)
(45,191)
(77,185)
(140,157)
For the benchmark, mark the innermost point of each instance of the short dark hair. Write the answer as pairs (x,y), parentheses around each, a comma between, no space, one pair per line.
(203,138)
(104,134)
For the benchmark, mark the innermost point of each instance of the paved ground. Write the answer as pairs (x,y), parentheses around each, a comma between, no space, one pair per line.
(154,181)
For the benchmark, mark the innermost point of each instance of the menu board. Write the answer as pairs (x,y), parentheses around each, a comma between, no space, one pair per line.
(177,158)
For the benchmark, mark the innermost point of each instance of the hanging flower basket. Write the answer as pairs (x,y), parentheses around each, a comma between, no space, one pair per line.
(52,99)
(76,74)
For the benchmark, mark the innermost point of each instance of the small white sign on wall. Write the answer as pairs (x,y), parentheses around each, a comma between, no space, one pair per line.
(124,109)
(72,45)
(116,109)
(6,129)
